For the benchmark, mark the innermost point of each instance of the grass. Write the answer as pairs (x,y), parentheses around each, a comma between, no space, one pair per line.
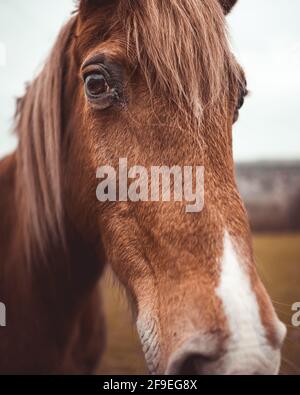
(278,259)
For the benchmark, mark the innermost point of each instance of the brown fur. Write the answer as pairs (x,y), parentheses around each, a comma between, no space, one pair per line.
(181,85)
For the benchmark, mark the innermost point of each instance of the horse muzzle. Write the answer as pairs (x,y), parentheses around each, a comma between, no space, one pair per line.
(202,355)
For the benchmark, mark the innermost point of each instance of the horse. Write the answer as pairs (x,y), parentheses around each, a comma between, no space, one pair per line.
(155,82)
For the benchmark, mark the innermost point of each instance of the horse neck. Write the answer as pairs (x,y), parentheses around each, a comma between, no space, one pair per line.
(7,205)
(62,275)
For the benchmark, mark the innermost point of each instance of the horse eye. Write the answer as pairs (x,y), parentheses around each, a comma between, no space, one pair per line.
(96,85)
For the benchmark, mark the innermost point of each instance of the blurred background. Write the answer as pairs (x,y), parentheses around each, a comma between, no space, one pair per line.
(265,37)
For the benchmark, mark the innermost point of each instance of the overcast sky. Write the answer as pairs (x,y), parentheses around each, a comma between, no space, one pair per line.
(265,35)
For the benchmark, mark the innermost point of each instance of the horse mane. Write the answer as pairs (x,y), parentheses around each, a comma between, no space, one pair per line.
(38,124)
(182,50)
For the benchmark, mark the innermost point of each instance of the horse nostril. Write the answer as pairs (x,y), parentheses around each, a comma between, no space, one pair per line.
(195,356)
(192,365)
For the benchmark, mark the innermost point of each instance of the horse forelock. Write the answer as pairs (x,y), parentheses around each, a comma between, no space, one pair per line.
(183,51)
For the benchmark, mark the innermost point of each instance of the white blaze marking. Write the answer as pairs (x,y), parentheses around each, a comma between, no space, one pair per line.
(247,334)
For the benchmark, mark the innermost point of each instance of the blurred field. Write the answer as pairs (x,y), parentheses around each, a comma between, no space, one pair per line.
(278,258)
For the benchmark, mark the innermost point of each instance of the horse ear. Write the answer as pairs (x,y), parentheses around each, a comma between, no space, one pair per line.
(227,5)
